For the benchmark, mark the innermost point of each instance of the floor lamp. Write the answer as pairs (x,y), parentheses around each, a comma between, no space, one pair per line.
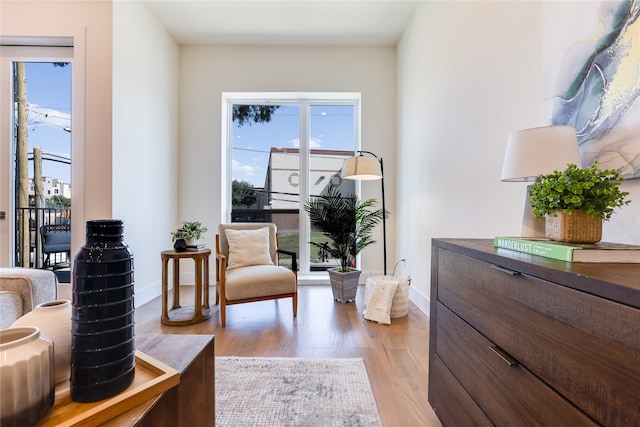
(538,151)
(365,168)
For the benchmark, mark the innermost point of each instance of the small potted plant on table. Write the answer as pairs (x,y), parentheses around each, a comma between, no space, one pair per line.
(187,235)
(348,223)
(576,201)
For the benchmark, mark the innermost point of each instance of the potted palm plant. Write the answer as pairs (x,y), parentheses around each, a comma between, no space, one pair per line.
(187,234)
(348,224)
(576,201)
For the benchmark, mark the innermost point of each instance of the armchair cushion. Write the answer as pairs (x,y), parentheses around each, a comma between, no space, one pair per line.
(248,248)
(242,283)
(10,307)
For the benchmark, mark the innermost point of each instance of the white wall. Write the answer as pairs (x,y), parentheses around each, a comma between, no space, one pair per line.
(469,73)
(145,140)
(206,72)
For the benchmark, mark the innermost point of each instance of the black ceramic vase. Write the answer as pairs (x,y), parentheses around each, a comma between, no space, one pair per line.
(180,245)
(102,340)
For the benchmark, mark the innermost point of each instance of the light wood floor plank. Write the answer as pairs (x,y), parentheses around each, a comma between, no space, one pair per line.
(396,355)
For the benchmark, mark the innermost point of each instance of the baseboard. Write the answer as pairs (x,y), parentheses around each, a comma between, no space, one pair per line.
(146,294)
(422,302)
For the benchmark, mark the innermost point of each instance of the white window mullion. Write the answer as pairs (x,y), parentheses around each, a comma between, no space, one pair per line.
(304,186)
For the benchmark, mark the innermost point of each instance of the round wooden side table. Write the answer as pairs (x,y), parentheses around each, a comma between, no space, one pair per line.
(188,315)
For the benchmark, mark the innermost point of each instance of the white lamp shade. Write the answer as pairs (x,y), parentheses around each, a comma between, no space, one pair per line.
(361,168)
(539,151)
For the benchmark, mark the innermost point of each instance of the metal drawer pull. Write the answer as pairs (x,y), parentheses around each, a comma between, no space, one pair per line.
(505,270)
(504,355)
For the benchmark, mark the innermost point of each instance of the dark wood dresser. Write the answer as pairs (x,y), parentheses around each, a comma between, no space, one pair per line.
(521,340)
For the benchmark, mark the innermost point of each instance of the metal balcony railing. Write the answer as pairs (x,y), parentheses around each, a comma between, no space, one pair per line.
(29,245)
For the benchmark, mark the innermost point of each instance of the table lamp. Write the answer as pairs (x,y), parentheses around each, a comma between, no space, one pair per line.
(538,151)
(366,168)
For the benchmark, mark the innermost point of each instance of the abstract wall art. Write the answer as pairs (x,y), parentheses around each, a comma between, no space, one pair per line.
(591,78)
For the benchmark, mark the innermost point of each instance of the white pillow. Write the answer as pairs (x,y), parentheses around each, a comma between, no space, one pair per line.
(379,306)
(248,247)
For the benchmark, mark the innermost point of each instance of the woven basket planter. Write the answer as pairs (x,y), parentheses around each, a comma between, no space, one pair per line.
(575,227)
(400,303)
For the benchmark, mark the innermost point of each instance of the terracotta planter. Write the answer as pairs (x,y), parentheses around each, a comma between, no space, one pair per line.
(344,285)
(575,227)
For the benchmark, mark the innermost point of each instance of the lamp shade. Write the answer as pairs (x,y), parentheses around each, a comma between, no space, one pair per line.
(539,151)
(361,168)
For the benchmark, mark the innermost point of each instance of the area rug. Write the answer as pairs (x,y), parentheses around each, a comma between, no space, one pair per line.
(287,392)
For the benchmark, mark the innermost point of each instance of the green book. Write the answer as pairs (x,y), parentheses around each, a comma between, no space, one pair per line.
(571,252)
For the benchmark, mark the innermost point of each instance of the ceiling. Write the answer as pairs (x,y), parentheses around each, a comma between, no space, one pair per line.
(288,22)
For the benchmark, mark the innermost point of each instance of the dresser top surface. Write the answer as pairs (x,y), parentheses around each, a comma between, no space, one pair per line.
(614,281)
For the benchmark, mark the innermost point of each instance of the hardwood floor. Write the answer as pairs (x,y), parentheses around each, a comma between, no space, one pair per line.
(396,355)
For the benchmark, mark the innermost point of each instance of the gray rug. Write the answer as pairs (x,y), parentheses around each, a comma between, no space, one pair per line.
(287,392)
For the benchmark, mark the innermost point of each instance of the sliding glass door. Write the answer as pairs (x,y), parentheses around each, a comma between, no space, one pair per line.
(283,151)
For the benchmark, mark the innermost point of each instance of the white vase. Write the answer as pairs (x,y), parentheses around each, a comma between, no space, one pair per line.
(54,320)
(26,375)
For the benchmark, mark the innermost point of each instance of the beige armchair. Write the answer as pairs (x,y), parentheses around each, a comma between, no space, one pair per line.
(21,289)
(248,266)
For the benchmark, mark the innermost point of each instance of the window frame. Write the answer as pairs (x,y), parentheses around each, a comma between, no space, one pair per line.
(304,100)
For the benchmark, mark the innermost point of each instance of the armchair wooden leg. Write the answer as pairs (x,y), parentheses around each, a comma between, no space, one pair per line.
(223,313)
(295,304)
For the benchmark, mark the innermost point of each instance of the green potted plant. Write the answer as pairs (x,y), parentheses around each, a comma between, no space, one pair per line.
(188,233)
(348,224)
(576,201)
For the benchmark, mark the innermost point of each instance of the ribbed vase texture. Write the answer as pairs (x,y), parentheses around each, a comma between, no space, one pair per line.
(26,376)
(102,341)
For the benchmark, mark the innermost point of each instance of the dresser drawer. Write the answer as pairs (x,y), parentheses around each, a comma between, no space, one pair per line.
(450,401)
(585,347)
(508,393)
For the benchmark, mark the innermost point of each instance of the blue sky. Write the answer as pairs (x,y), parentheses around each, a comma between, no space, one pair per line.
(49,99)
(331,128)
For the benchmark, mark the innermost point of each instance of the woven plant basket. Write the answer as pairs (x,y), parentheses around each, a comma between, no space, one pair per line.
(575,227)
(400,303)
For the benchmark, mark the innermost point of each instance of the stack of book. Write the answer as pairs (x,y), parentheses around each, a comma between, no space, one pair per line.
(571,252)
(196,247)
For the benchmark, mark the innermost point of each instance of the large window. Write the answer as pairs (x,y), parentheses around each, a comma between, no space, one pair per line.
(282,150)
